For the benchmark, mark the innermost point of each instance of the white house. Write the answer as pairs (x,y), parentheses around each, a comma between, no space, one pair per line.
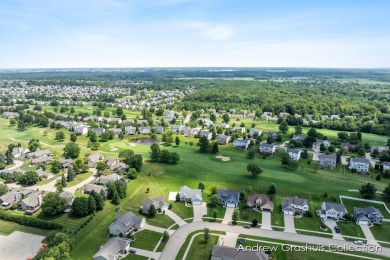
(293,205)
(295,154)
(332,210)
(267,148)
(359,164)
(241,143)
(386,166)
(205,133)
(81,129)
(124,223)
(130,130)
(223,139)
(239,129)
(105,179)
(191,195)
(255,132)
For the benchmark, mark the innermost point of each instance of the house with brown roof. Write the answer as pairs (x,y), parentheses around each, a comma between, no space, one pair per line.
(261,202)
(158,202)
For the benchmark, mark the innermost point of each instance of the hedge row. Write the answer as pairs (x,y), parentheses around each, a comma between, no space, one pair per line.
(29,221)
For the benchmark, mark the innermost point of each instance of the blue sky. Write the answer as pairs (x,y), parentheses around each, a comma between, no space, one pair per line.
(175,33)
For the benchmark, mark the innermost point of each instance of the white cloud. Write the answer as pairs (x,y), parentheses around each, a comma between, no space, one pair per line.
(211,30)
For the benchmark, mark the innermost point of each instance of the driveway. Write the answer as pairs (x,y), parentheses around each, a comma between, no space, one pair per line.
(228,215)
(331,224)
(230,239)
(289,225)
(19,245)
(372,161)
(199,211)
(17,165)
(344,160)
(157,229)
(369,236)
(175,218)
(266,220)
(146,253)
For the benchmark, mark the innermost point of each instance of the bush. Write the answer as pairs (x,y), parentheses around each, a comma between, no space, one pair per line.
(308,214)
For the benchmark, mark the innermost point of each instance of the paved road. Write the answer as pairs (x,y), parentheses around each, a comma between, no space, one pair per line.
(175,218)
(367,233)
(228,215)
(331,224)
(81,184)
(177,239)
(17,165)
(289,225)
(187,119)
(146,253)
(266,220)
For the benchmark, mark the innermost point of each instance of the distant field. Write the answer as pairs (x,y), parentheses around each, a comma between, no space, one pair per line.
(7,228)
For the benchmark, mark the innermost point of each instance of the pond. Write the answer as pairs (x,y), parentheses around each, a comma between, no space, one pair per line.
(146,141)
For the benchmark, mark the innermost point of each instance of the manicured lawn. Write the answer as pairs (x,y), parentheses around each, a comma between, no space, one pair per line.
(160,220)
(146,240)
(79,178)
(350,229)
(220,211)
(182,210)
(277,219)
(162,245)
(350,204)
(312,224)
(67,220)
(199,249)
(7,228)
(134,257)
(382,232)
(248,215)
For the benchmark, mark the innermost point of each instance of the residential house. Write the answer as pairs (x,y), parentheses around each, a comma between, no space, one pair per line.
(38,153)
(44,160)
(224,125)
(31,203)
(241,144)
(228,198)
(380,149)
(253,132)
(10,115)
(232,253)
(274,135)
(98,130)
(191,195)
(267,148)
(105,179)
(116,165)
(223,139)
(283,114)
(177,128)
(158,202)
(299,138)
(65,162)
(130,130)
(328,161)
(294,205)
(239,129)
(348,147)
(68,196)
(94,158)
(189,131)
(261,202)
(265,115)
(115,248)
(116,131)
(124,223)
(334,211)
(18,152)
(318,143)
(159,129)
(88,188)
(386,166)
(43,174)
(295,154)
(207,122)
(11,197)
(361,165)
(205,133)
(144,130)
(368,215)
(81,129)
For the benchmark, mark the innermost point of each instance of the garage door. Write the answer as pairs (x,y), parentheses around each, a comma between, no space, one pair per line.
(196,202)
(266,210)
(287,212)
(230,205)
(363,222)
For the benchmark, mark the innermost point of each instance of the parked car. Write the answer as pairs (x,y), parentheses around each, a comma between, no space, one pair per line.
(133,251)
(247,226)
(358,242)
(337,229)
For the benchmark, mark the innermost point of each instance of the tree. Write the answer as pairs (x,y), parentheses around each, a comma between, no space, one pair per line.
(204,144)
(174,157)
(111,190)
(283,127)
(214,200)
(254,169)
(293,165)
(322,147)
(115,198)
(361,152)
(386,193)
(135,161)
(3,189)
(226,118)
(254,222)
(93,137)
(367,191)
(152,211)
(60,136)
(91,204)
(56,166)
(63,181)
(206,234)
(213,190)
(155,152)
(215,148)
(167,137)
(29,178)
(34,145)
(71,150)
(71,174)
(80,207)
(215,214)
(177,141)
(165,236)
(177,197)
(305,154)
(98,200)
(298,130)
(73,137)
(119,111)
(201,186)
(21,125)
(272,189)
(53,204)
(121,186)
(252,152)
(235,217)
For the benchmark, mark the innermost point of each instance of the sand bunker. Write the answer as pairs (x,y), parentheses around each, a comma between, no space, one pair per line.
(223,158)
(113,148)
(133,144)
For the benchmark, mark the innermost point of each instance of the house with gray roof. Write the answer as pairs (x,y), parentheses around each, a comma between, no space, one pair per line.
(361,165)
(11,197)
(38,153)
(253,132)
(295,154)
(158,202)
(228,198)
(241,144)
(239,129)
(205,133)
(328,161)
(318,143)
(130,130)
(159,129)
(98,130)
(368,215)
(19,151)
(94,158)
(88,188)
(191,195)
(267,148)
(380,149)
(348,147)
(274,135)
(116,131)
(68,196)
(332,210)
(144,130)
(113,249)
(232,253)
(223,139)
(31,203)
(124,223)
(43,159)
(295,205)
(261,202)
(299,138)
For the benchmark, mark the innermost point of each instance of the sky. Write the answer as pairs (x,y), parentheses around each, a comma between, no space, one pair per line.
(194,33)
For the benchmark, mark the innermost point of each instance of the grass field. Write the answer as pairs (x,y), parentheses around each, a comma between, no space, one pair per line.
(7,228)
(199,249)
(182,210)
(382,232)
(146,240)
(350,229)
(350,204)
(79,178)
(68,221)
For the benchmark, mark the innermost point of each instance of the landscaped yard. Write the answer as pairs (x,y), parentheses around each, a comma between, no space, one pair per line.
(312,224)
(182,210)
(350,204)
(79,178)
(199,248)
(7,228)
(350,229)
(382,232)
(146,239)
(67,220)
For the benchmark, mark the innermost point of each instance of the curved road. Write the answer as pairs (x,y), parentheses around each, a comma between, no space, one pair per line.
(177,239)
